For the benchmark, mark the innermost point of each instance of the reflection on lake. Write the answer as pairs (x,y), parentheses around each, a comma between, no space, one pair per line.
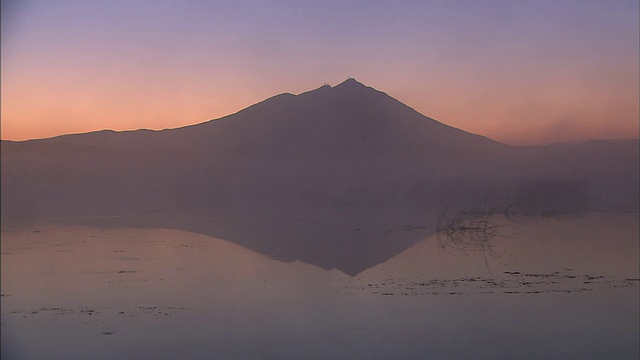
(557,288)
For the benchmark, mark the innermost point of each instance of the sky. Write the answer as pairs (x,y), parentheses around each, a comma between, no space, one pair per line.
(520,72)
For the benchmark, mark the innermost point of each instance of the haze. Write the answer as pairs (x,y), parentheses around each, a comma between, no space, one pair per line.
(526,72)
(315,177)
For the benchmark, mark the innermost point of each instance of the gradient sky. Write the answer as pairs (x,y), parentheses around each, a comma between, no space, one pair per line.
(520,72)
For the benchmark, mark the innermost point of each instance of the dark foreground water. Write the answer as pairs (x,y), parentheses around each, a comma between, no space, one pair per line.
(547,289)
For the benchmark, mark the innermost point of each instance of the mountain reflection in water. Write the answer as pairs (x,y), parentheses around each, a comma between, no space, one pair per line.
(559,288)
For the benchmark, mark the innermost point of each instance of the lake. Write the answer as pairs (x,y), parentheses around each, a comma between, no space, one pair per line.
(562,288)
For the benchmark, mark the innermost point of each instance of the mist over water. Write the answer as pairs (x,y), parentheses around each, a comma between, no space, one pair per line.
(334,224)
(341,177)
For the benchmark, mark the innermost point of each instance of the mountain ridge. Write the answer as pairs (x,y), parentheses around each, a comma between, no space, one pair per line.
(344,89)
(350,83)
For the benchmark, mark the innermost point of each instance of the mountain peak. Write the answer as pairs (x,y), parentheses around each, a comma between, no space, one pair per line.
(350,82)
(349,86)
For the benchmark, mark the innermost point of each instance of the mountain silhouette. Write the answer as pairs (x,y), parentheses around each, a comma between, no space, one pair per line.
(340,177)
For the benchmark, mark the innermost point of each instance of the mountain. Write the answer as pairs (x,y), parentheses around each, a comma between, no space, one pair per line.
(340,177)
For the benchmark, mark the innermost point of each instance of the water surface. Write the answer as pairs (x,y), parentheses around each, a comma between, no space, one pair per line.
(555,288)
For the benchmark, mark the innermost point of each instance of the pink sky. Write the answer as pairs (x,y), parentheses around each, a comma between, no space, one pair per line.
(527,72)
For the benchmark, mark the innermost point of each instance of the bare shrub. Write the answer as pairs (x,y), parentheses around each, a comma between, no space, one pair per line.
(476,230)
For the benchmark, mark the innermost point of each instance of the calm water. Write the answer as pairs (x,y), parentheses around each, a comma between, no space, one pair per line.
(555,288)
